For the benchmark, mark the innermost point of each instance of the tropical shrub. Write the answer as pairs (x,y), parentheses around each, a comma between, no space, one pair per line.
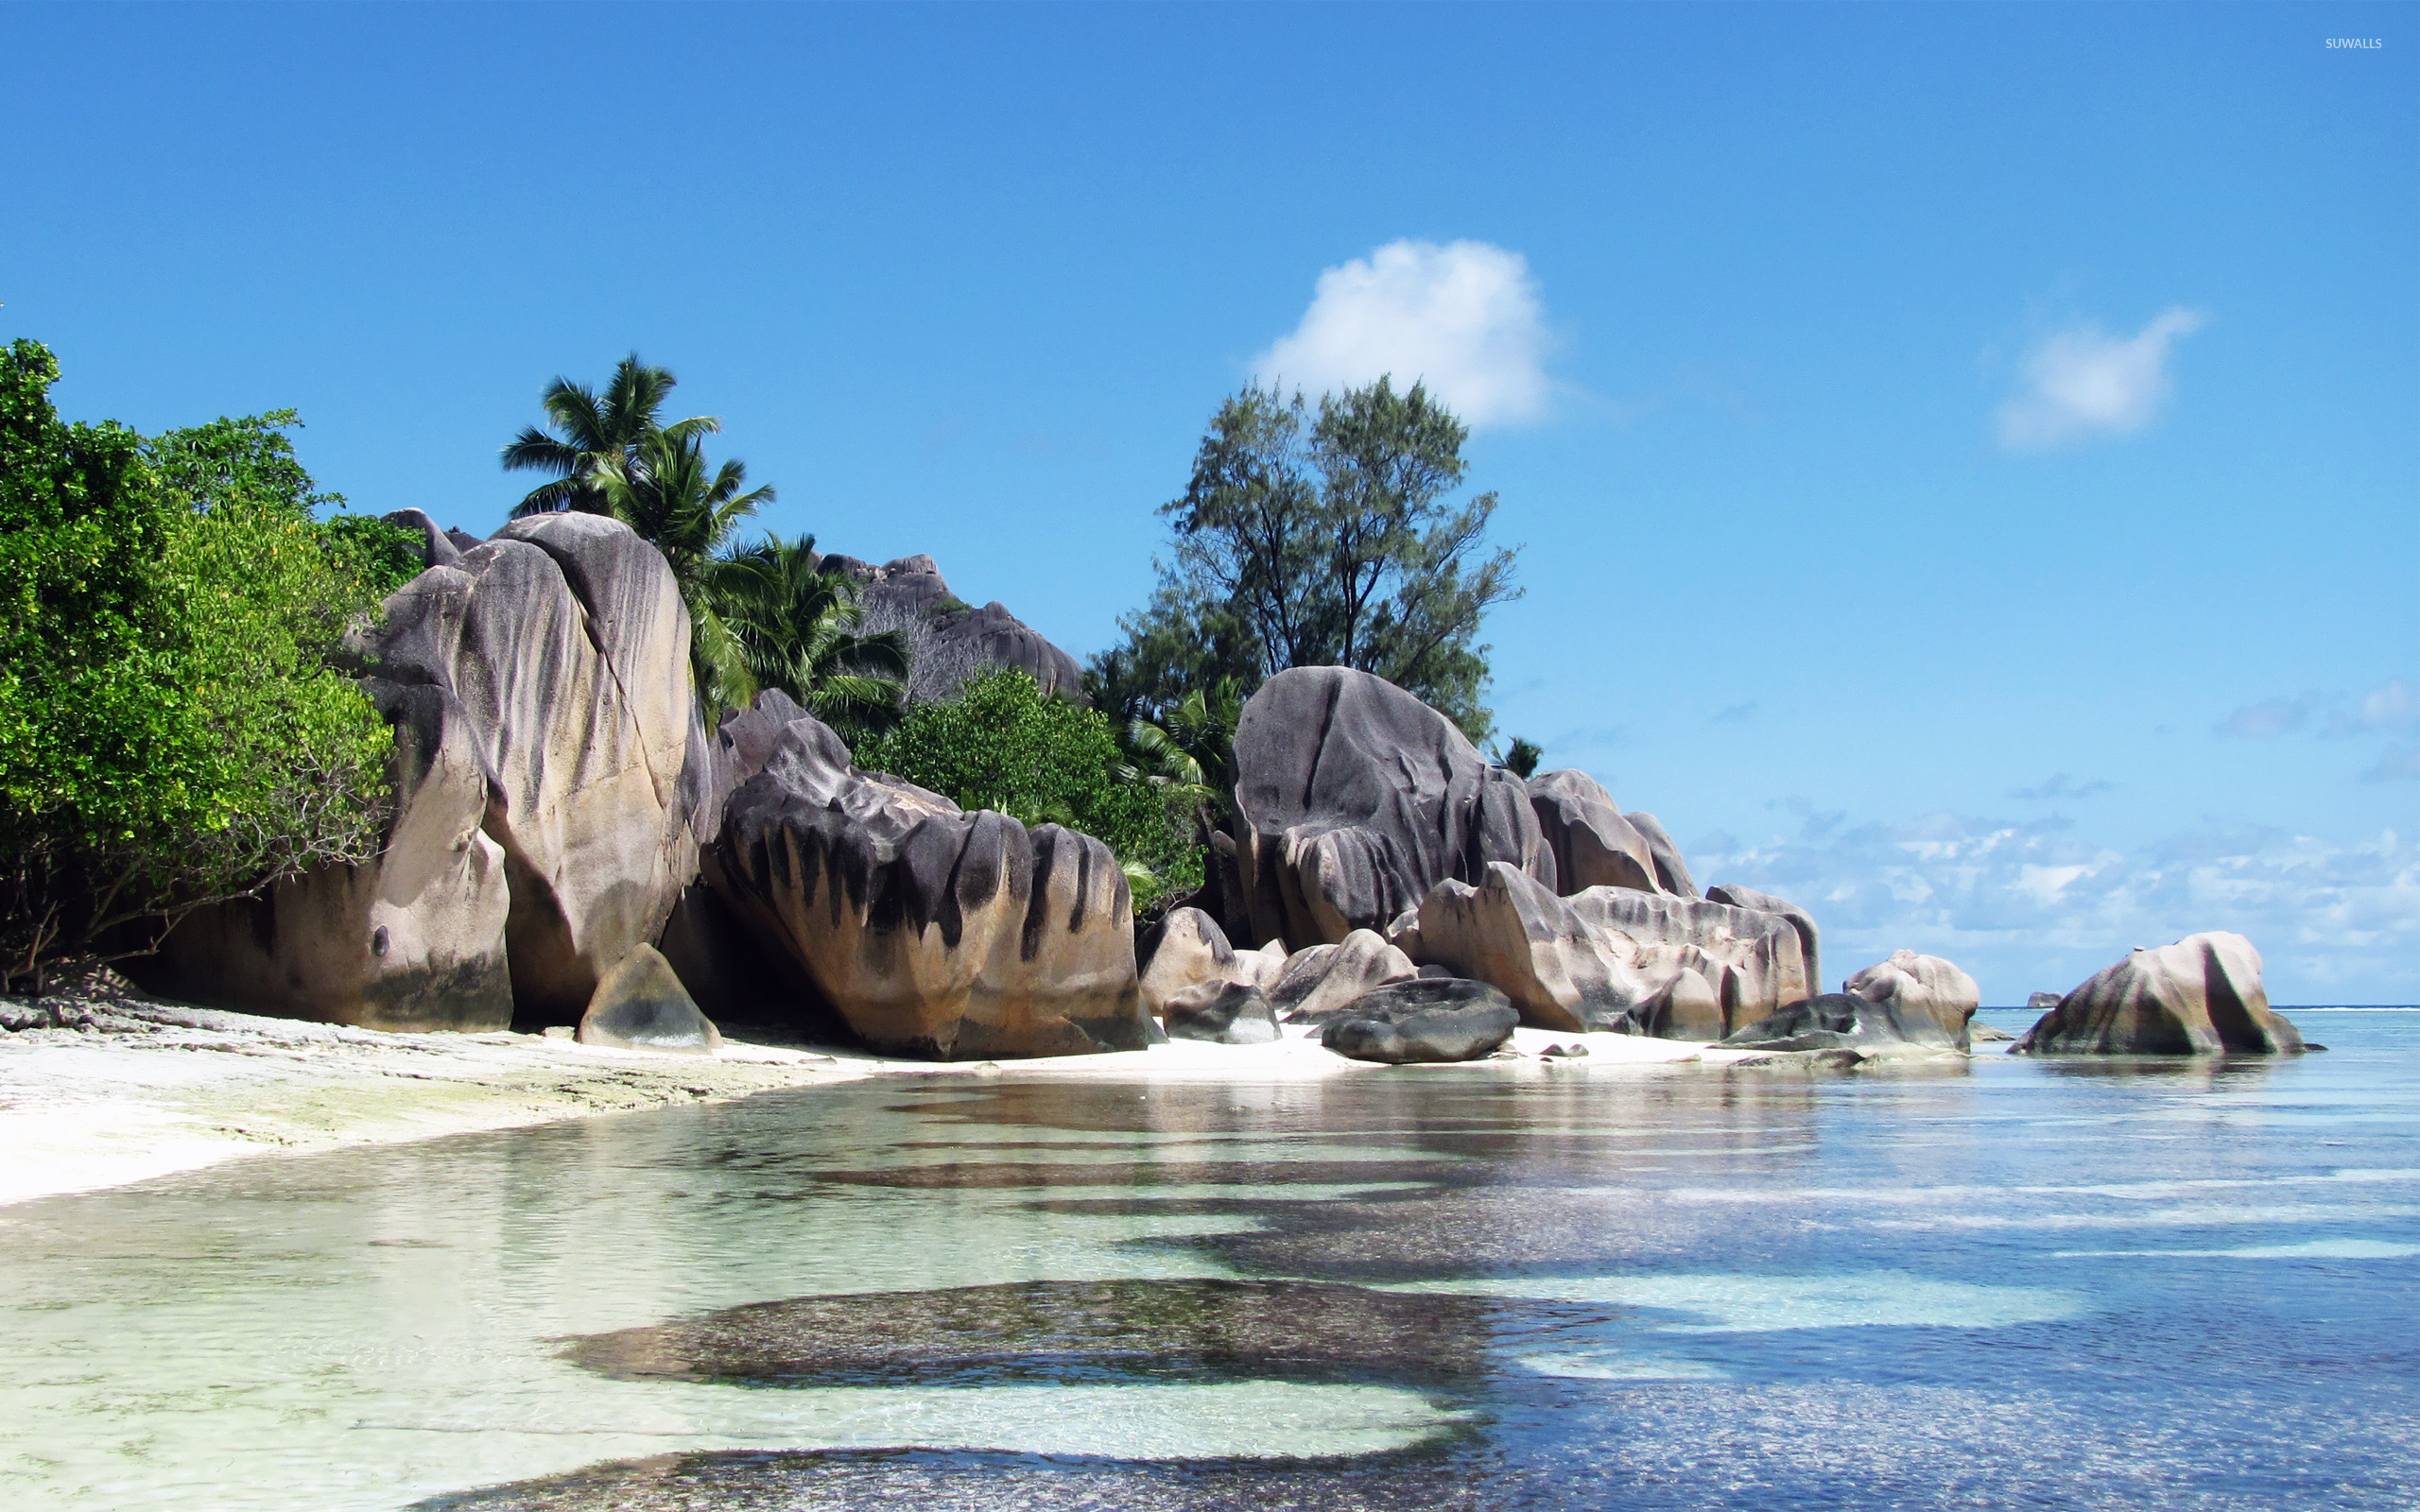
(173,730)
(1005,745)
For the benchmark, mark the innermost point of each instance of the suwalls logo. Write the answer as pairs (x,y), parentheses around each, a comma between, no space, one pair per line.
(2356,41)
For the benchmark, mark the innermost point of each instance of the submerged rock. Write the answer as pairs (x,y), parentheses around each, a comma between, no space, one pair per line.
(1357,799)
(1839,1021)
(1921,984)
(1422,1020)
(2201,996)
(930,930)
(642,1005)
(1225,1013)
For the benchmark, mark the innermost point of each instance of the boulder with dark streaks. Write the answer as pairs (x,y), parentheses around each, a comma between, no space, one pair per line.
(1357,799)
(2201,996)
(1809,939)
(1921,984)
(1839,1021)
(1423,1021)
(1593,845)
(1225,1013)
(930,930)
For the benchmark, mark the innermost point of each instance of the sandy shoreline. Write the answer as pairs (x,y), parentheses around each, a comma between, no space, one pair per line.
(127,1089)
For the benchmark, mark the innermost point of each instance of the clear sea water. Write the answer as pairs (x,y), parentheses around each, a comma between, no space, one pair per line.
(2006,1284)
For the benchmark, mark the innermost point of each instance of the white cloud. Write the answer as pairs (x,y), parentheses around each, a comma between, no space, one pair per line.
(2033,906)
(2083,384)
(2401,763)
(2270,717)
(1464,318)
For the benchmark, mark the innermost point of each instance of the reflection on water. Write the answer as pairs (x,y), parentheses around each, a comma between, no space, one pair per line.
(2018,1282)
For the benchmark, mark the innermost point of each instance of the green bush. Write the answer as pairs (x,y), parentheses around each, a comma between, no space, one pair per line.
(1005,745)
(172,732)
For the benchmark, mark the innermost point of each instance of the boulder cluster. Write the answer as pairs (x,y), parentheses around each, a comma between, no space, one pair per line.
(573,844)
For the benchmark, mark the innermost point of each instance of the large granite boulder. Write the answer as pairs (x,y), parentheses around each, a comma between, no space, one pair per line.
(1921,984)
(913,586)
(1810,940)
(2201,996)
(1187,949)
(642,1005)
(1839,1021)
(1671,872)
(930,930)
(437,548)
(1357,799)
(565,643)
(1593,845)
(412,940)
(1331,976)
(1425,1020)
(1224,1013)
(1612,958)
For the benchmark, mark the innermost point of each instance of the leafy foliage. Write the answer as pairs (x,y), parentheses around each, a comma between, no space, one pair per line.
(1521,758)
(1005,745)
(594,432)
(172,732)
(797,627)
(1324,541)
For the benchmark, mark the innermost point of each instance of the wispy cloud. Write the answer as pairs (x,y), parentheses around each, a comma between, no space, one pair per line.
(2035,905)
(2270,717)
(2396,706)
(1464,318)
(2401,763)
(2061,786)
(1738,713)
(2081,385)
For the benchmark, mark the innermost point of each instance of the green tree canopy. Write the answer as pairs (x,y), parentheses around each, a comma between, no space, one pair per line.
(1005,745)
(1320,541)
(173,730)
(797,627)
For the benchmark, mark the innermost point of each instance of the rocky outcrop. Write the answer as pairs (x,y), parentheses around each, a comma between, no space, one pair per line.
(930,930)
(1357,799)
(1423,1020)
(642,1005)
(1224,1013)
(1839,1021)
(1187,948)
(2201,996)
(1671,872)
(1593,845)
(1811,943)
(412,940)
(1331,976)
(1613,958)
(565,641)
(1910,983)
(437,547)
(914,586)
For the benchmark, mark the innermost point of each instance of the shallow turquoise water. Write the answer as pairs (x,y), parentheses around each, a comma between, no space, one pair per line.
(2009,1284)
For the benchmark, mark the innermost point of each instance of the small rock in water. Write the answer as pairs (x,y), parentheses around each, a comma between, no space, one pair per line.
(642,1005)
(1222,1013)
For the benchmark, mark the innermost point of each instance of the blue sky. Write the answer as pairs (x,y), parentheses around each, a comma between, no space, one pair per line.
(1966,456)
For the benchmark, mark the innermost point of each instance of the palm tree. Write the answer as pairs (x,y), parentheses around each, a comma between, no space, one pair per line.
(592,431)
(1190,756)
(687,508)
(797,627)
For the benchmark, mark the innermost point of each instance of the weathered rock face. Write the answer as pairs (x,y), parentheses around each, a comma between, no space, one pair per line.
(1612,958)
(413,940)
(1671,872)
(1224,1013)
(2201,996)
(565,643)
(914,585)
(1189,949)
(1513,933)
(642,1005)
(1910,983)
(1332,976)
(1751,958)
(1440,1020)
(437,548)
(1810,941)
(1357,799)
(1839,1021)
(930,930)
(1593,845)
